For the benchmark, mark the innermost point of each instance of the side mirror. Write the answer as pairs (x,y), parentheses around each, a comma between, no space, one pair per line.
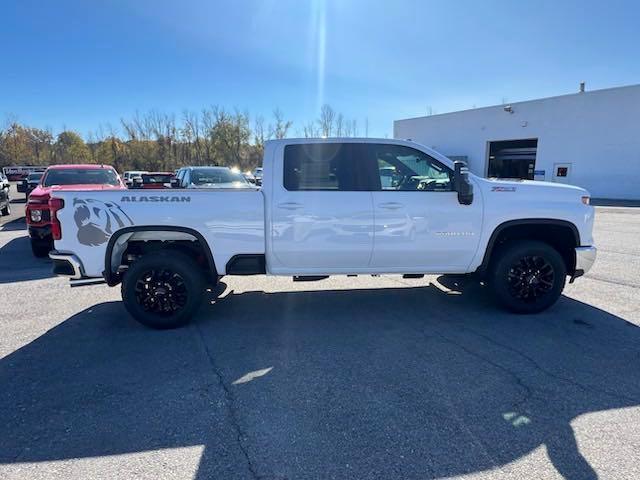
(175,183)
(461,183)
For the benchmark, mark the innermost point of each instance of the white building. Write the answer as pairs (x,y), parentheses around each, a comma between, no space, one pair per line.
(590,139)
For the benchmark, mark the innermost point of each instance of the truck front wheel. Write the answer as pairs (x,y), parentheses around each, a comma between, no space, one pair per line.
(528,276)
(163,289)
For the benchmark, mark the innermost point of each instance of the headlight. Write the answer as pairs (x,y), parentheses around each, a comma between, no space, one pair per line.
(36,216)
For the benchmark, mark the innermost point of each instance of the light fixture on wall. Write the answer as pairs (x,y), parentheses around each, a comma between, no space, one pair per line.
(508,109)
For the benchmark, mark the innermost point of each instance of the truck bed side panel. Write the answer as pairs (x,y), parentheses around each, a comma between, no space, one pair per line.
(232,221)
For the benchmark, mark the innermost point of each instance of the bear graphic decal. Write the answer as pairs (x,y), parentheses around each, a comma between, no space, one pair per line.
(97,220)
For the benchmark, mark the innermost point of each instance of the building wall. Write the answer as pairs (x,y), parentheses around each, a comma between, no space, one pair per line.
(598,132)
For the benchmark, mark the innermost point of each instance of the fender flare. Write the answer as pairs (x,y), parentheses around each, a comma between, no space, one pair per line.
(113,279)
(525,221)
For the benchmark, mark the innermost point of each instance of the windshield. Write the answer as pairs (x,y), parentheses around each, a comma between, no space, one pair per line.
(77,176)
(212,176)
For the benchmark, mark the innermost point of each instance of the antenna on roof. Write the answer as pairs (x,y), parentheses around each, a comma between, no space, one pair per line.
(582,84)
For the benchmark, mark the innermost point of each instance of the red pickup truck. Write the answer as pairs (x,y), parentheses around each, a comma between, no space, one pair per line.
(62,177)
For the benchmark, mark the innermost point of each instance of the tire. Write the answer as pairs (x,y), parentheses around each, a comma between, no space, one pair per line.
(528,276)
(41,248)
(163,289)
(7,209)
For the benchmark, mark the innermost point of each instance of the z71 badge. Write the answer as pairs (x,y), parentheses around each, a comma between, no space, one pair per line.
(503,189)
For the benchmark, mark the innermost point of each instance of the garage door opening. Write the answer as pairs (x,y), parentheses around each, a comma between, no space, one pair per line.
(513,158)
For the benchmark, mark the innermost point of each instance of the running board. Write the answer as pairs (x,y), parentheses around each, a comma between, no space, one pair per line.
(83,282)
(309,278)
(413,275)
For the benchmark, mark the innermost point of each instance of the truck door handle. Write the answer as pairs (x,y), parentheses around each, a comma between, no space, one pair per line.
(290,205)
(391,205)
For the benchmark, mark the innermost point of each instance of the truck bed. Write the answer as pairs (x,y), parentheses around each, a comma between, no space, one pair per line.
(232,221)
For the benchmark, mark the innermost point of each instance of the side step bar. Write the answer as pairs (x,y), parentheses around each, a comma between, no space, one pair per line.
(309,278)
(83,282)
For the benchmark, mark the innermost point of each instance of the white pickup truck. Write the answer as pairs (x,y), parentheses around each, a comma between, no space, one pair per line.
(327,207)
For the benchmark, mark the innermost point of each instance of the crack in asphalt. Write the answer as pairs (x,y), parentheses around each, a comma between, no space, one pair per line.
(528,390)
(230,402)
(537,366)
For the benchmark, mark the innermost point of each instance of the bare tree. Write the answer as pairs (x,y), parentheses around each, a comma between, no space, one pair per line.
(281,127)
(310,130)
(325,122)
(339,125)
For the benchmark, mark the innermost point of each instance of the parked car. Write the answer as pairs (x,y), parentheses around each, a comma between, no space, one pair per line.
(129,176)
(29,183)
(322,211)
(248,176)
(153,180)
(5,200)
(40,213)
(210,177)
(257,174)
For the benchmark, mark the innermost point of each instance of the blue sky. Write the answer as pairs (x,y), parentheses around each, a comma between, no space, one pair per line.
(78,64)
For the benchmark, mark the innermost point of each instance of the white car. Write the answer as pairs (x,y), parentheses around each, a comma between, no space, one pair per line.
(322,210)
(128,176)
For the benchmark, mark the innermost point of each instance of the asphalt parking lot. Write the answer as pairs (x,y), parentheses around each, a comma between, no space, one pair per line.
(343,378)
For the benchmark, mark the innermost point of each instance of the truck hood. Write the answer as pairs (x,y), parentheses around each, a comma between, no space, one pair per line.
(531,186)
(41,190)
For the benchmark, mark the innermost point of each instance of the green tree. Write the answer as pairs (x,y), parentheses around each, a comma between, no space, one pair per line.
(70,148)
(15,148)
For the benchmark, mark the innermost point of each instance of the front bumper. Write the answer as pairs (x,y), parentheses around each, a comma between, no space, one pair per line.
(585,258)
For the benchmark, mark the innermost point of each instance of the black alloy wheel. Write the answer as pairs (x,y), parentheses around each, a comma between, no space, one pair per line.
(527,276)
(530,278)
(162,292)
(163,289)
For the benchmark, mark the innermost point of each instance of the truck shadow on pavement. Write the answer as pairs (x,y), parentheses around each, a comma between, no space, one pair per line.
(17,263)
(410,382)
(14,225)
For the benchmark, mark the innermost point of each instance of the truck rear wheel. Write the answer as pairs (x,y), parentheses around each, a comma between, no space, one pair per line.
(6,210)
(163,289)
(528,276)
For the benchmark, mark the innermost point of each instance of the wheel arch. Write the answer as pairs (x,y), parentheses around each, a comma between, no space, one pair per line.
(560,234)
(112,278)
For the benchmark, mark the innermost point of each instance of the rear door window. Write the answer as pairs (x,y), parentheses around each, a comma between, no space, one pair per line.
(326,167)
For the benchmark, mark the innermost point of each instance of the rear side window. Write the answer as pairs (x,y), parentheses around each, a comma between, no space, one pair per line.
(325,166)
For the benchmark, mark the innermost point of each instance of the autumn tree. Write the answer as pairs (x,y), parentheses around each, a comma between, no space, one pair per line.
(70,148)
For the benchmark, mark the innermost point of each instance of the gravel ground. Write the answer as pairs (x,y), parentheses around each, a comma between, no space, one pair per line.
(342,378)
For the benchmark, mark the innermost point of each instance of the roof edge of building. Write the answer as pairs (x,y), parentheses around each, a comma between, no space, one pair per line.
(588,92)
